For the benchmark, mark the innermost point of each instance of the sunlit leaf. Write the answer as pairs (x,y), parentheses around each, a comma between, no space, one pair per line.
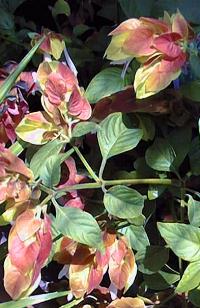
(137,237)
(105,83)
(190,278)
(184,240)
(160,155)
(123,202)
(193,211)
(115,138)
(83,128)
(68,222)
(40,157)
(50,172)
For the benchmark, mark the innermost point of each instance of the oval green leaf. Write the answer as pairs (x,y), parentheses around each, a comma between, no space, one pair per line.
(190,278)
(183,239)
(160,155)
(78,225)
(115,138)
(123,202)
(105,83)
(41,156)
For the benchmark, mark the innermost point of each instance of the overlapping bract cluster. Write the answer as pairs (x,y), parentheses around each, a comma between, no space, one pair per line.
(29,246)
(63,102)
(29,241)
(159,45)
(14,185)
(87,266)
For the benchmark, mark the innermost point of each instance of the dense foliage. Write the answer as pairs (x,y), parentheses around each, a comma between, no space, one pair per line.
(99,188)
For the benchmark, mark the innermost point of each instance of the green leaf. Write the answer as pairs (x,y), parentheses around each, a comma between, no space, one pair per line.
(192,90)
(80,29)
(189,9)
(61,7)
(193,212)
(33,300)
(6,22)
(152,258)
(84,128)
(183,239)
(195,65)
(142,169)
(11,79)
(136,8)
(161,280)
(123,202)
(137,220)
(11,5)
(160,155)
(115,138)
(137,237)
(194,296)
(105,83)
(147,126)
(41,156)
(194,155)
(78,225)
(50,172)
(190,278)
(180,140)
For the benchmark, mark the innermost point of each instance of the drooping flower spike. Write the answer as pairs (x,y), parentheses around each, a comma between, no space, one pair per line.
(29,246)
(87,266)
(159,45)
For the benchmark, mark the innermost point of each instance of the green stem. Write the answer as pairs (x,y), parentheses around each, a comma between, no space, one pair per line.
(166,182)
(46,200)
(102,167)
(47,190)
(85,163)
(18,147)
